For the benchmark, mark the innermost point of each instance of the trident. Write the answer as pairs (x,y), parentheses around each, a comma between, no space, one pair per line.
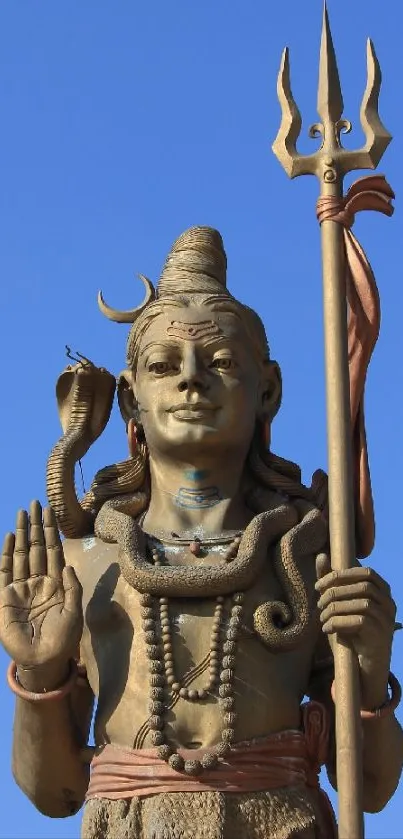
(330,163)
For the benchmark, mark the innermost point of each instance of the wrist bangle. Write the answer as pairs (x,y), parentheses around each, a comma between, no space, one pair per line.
(46,695)
(388,707)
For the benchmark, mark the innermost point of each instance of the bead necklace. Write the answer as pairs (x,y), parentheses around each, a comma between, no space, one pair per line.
(163,677)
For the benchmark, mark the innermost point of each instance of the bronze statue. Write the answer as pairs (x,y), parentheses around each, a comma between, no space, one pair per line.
(192,597)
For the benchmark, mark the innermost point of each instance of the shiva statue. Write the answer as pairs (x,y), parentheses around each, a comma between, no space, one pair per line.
(191,602)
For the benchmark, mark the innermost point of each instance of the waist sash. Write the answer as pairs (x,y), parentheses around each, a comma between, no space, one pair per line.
(288,758)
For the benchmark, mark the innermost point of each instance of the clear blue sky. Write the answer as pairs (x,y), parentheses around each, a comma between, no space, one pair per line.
(125,123)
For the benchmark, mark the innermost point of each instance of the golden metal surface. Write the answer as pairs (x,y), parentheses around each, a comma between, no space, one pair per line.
(330,101)
(330,109)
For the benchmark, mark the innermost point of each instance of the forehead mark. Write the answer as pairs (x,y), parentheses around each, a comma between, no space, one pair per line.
(193,331)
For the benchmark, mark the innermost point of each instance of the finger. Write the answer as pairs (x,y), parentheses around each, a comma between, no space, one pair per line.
(343,625)
(6,563)
(37,552)
(21,550)
(353,608)
(357,574)
(72,591)
(365,591)
(323,565)
(54,550)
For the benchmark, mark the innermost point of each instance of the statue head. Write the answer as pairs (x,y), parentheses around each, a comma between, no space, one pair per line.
(199,368)
(199,379)
(200,386)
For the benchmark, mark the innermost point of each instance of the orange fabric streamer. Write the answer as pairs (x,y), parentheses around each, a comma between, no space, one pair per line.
(363,306)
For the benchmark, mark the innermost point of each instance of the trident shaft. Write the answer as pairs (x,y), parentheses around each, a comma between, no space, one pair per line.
(330,163)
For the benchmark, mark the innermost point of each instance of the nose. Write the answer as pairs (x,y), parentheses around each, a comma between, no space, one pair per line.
(192,372)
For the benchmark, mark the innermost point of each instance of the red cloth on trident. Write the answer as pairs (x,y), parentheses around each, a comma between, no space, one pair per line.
(363,306)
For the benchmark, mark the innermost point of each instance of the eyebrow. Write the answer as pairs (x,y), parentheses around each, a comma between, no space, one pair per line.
(218,339)
(208,341)
(165,344)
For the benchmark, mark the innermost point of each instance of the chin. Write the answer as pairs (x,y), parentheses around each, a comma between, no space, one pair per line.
(197,434)
(192,437)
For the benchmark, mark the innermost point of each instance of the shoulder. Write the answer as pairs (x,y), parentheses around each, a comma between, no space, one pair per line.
(89,556)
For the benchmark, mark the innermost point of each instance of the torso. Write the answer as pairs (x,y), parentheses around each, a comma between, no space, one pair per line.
(269,686)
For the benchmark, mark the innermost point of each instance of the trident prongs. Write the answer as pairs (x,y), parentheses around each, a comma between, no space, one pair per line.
(330,101)
(377,136)
(331,162)
(284,146)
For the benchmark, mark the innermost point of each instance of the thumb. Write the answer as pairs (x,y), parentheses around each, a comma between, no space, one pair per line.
(323,565)
(72,590)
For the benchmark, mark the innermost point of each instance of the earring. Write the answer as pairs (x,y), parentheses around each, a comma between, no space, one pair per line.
(135,435)
(132,437)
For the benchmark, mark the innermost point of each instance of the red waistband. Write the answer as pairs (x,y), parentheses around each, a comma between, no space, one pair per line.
(289,758)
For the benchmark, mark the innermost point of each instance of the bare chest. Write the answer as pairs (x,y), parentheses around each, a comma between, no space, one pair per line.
(196,647)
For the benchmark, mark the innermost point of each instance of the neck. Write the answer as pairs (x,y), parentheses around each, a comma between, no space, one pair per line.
(196,499)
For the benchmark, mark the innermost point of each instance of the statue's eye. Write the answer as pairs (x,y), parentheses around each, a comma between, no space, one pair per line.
(223,363)
(159,368)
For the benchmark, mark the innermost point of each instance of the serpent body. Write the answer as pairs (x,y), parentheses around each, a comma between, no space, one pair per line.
(294,530)
(184,581)
(306,539)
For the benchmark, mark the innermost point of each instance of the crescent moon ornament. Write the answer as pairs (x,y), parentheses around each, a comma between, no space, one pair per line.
(130,315)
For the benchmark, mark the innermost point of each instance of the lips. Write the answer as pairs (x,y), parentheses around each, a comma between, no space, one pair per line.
(192,406)
(192,411)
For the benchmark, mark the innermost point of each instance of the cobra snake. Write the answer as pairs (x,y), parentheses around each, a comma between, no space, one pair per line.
(84,396)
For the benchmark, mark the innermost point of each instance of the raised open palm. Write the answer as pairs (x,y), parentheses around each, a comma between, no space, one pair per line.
(40,598)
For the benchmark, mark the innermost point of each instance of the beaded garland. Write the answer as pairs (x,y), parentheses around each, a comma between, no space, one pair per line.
(158,637)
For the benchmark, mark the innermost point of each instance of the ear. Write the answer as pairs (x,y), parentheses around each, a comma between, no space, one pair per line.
(126,398)
(270,391)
